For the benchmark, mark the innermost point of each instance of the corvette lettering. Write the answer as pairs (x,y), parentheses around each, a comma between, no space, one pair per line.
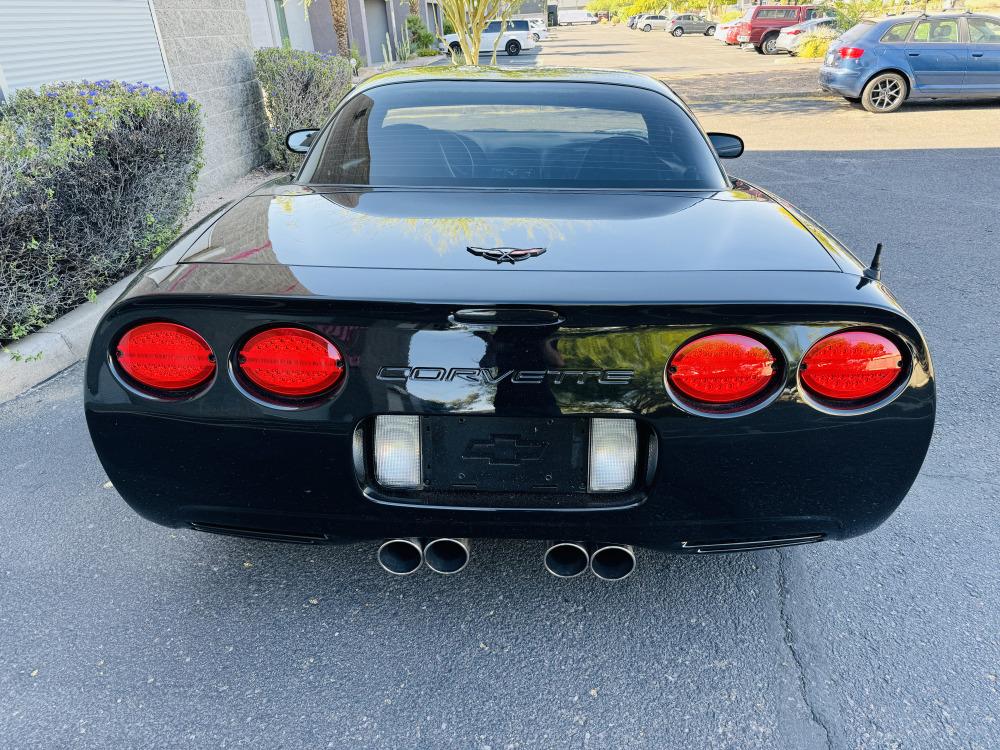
(492,376)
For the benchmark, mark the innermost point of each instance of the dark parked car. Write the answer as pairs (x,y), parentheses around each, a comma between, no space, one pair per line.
(883,64)
(691,23)
(765,22)
(512,304)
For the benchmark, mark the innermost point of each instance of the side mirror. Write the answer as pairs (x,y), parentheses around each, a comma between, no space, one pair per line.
(726,146)
(299,141)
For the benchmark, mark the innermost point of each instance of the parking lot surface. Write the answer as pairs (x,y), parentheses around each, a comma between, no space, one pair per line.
(116,632)
(696,64)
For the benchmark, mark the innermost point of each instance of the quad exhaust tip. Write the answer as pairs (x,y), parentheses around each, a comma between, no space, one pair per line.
(401,557)
(566,559)
(613,562)
(447,556)
(609,562)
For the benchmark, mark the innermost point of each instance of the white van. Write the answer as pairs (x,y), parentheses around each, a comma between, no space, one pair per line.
(572,17)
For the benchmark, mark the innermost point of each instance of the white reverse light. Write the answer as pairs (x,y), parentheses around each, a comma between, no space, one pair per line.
(612,455)
(397,451)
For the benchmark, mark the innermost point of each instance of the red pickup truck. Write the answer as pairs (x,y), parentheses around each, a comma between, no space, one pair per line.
(761,26)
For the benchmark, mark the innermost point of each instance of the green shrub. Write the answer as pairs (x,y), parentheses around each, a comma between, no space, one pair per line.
(428,51)
(815,45)
(301,90)
(95,179)
(447,27)
(419,34)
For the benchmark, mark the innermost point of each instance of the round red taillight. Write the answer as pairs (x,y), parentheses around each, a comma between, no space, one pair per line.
(851,366)
(165,357)
(721,368)
(291,362)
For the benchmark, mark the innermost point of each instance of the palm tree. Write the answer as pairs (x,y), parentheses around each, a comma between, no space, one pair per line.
(338,9)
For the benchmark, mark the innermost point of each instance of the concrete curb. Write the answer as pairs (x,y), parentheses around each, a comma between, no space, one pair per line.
(51,350)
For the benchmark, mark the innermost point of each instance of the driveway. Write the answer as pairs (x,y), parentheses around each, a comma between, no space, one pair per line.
(116,632)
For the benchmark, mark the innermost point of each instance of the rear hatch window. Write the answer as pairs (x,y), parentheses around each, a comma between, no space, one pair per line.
(857,31)
(512,135)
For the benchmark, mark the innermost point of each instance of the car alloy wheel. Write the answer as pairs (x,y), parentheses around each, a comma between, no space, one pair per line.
(710,31)
(647,27)
(678,31)
(513,48)
(770,45)
(884,93)
(536,37)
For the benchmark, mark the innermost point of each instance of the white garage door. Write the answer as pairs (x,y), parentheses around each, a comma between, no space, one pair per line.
(45,41)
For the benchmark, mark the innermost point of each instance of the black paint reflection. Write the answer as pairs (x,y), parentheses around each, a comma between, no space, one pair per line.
(527,354)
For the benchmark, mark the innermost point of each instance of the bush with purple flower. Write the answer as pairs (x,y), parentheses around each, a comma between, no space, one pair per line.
(96,179)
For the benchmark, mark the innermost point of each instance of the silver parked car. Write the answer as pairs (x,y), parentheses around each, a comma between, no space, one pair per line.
(792,36)
(690,23)
(650,22)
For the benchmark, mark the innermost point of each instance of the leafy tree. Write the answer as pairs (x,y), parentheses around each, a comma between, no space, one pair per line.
(469,19)
(852,12)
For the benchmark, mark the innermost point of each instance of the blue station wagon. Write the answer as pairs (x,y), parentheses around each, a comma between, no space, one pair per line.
(884,63)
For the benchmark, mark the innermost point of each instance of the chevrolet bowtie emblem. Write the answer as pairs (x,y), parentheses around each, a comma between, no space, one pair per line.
(505,450)
(506,254)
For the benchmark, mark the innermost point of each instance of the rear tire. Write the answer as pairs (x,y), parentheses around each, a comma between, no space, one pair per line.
(456,48)
(769,46)
(678,32)
(710,31)
(647,27)
(513,48)
(536,37)
(884,93)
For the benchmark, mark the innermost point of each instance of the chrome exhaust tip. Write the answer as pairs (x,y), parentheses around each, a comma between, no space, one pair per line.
(566,559)
(401,557)
(447,556)
(613,562)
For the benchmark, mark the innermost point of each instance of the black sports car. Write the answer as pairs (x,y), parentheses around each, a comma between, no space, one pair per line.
(508,304)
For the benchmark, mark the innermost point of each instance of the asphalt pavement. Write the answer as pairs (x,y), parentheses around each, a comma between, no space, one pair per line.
(118,633)
(696,65)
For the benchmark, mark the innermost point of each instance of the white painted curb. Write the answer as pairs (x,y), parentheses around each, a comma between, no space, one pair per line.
(60,344)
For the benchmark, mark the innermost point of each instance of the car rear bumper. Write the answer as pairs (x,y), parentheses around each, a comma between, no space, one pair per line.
(707,489)
(225,462)
(842,81)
